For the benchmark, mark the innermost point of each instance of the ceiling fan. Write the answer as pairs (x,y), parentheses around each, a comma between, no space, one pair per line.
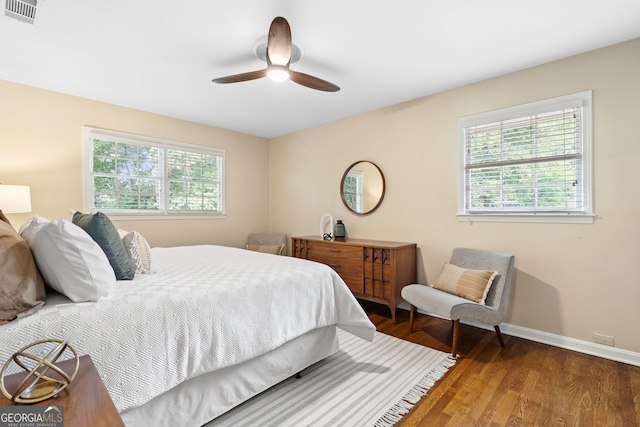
(278,60)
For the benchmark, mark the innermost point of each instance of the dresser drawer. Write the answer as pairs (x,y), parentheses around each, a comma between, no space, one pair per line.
(333,251)
(350,270)
(372,269)
(344,266)
(354,283)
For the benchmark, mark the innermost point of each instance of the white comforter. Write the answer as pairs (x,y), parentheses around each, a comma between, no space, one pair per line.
(205,308)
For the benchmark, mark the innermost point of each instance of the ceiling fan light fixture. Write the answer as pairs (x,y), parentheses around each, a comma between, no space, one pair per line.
(260,50)
(278,74)
(279,52)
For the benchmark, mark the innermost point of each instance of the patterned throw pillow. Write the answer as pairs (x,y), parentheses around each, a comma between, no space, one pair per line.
(473,285)
(138,250)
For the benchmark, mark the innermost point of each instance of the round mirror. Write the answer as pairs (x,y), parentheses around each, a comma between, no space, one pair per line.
(362,187)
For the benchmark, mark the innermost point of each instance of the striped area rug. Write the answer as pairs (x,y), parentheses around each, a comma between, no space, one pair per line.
(363,384)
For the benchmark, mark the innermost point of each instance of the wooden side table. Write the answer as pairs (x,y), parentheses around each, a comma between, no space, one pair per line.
(86,401)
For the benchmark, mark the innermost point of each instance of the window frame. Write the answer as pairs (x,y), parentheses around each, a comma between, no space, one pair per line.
(582,100)
(89,133)
(358,194)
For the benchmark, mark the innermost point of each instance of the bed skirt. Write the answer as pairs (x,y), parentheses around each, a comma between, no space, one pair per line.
(201,399)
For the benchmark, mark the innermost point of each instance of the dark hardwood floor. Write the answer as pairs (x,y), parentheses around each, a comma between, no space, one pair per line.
(524,384)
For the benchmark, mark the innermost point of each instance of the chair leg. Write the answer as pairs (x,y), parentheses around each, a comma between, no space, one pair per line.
(497,327)
(412,313)
(454,345)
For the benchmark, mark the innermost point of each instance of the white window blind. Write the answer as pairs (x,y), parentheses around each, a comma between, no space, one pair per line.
(531,160)
(130,174)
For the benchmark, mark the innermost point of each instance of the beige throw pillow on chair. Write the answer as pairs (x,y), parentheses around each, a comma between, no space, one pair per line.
(473,285)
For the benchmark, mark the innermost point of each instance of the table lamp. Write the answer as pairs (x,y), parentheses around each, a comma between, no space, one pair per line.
(14,199)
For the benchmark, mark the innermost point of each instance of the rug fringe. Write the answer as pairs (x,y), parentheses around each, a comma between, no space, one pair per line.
(413,396)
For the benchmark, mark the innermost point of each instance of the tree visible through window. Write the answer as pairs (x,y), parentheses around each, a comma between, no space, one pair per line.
(127,174)
(352,190)
(194,181)
(533,159)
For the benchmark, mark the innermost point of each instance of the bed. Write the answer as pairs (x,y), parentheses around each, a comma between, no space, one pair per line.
(211,327)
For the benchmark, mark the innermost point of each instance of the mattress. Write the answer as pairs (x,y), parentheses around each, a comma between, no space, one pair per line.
(204,308)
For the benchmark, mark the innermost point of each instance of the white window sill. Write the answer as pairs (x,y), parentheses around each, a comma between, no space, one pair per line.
(549,218)
(145,217)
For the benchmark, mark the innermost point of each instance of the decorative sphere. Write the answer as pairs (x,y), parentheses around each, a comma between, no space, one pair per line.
(40,378)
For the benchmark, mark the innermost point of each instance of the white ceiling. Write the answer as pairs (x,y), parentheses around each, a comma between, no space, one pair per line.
(160,56)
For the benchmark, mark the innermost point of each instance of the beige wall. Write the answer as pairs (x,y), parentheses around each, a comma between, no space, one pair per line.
(41,146)
(571,280)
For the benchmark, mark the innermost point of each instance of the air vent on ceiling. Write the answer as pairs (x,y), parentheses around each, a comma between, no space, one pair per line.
(23,10)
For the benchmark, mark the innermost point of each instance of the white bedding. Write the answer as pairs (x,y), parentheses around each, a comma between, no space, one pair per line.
(205,308)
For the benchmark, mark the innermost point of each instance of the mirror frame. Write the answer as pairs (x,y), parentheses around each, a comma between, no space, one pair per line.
(344,176)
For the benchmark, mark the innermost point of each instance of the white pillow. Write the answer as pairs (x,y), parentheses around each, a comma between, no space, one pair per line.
(70,261)
(31,222)
(138,250)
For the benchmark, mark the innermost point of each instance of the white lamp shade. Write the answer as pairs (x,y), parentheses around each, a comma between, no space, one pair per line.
(15,198)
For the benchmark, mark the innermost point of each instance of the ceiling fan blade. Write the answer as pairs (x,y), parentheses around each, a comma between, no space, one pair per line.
(312,82)
(279,42)
(252,75)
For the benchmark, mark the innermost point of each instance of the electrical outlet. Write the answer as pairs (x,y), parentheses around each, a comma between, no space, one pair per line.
(603,339)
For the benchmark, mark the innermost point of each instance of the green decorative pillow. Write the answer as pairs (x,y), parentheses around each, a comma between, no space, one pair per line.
(473,285)
(275,250)
(105,234)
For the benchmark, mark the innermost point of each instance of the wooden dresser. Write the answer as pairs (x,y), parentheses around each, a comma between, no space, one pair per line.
(374,270)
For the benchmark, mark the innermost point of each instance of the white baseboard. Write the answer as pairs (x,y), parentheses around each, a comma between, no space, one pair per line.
(586,347)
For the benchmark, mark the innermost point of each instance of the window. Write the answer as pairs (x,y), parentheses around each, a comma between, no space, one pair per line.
(527,163)
(352,189)
(134,175)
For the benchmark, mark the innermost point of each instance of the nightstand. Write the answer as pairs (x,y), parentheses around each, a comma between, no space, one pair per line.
(86,401)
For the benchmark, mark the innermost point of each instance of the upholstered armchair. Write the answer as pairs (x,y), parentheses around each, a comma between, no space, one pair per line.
(454,307)
(274,243)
